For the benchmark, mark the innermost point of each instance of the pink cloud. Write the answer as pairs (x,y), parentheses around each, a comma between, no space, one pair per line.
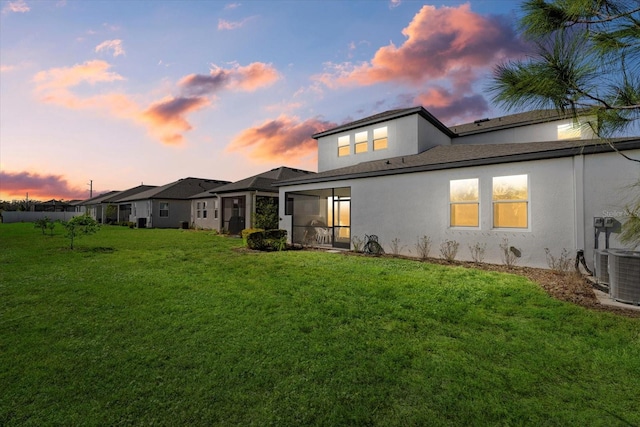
(231,25)
(248,78)
(113,45)
(167,120)
(16,185)
(18,6)
(282,138)
(438,41)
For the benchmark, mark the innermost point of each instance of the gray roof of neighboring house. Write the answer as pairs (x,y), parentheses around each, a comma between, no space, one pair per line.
(181,189)
(510,121)
(465,155)
(383,117)
(99,198)
(263,181)
(130,192)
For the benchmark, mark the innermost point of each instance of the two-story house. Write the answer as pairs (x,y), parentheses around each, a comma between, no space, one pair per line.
(535,180)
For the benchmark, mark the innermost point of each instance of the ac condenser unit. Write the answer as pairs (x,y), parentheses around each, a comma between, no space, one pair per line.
(600,264)
(624,276)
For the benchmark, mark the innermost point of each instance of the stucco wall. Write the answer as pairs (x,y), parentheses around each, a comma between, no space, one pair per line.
(607,181)
(179,211)
(532,133)
(406,135)
(210,222)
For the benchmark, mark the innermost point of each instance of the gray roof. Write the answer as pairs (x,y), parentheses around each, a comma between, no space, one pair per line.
(130,192)
(510,121)
(465,155)
(99,198)
(263,181)
(383,117)
(181,189)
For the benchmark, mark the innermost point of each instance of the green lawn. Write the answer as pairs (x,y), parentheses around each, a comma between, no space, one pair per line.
(176,327)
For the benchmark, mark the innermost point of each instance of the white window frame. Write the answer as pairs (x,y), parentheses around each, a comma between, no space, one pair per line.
(526,201)
(465,202)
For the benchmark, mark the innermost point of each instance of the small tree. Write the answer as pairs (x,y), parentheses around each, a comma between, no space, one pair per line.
(82,225)
(266,216)
(44,224)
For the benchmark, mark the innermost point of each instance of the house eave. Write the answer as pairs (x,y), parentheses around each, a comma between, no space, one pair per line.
(403,113)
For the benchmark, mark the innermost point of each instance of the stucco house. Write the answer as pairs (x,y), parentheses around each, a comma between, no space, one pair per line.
(107,209)
(232,207)
(535,180)
(167,206)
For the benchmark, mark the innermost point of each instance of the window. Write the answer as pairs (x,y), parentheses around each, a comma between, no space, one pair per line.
(343,146)
(198,212)
(510,201)
(164,210)
(380,141)
(464,203)
(361,143)
(569,131)
(204,209)
(215,209)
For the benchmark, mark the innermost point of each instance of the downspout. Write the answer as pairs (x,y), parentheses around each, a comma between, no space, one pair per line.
(578,197)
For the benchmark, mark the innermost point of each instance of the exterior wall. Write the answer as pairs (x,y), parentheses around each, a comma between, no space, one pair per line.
(406,135)
(421,208)
(210,222)
(141,209)
(533,133)
(607,178)
(179,211)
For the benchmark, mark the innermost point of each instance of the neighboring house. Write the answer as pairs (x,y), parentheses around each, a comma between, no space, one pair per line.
(54,206)
(107,209)
(167,206)
(232,207)
(535,180)
(96,207)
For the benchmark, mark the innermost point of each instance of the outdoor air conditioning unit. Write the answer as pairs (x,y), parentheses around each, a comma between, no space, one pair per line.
(624,276)
(600,264)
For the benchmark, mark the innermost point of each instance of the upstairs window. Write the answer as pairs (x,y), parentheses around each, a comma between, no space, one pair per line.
(569,131)
(164,209)
(380,141)
(464,203)
(362,142)
(343,146)
(511,201)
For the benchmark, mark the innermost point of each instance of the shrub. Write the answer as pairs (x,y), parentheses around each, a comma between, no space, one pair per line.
(449,249)
(269,240)
(423,247)
(396,248)
(245,233)
(509,254)
(477,252)
(266,215)
(561,264)
(357,243)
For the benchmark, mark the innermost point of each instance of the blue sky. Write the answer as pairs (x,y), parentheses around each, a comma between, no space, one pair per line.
(130,92)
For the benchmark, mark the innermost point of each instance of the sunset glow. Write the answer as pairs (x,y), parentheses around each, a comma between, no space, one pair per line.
(120,93)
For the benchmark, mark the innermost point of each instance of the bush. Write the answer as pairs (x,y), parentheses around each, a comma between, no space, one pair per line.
(245,233)
(561,264)
(423,247)
(509,254)
(267,240)
(449,249)
(477,252)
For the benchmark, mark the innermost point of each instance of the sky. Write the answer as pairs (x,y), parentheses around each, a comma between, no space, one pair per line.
(106,95)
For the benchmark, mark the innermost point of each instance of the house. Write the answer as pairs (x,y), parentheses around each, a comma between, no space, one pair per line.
(529,181)
(106,208)
(233,207)
(167,206)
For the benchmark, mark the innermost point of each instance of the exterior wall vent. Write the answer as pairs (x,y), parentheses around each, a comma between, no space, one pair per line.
(624,276)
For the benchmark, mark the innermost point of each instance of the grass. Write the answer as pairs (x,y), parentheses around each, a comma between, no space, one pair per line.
(175,327)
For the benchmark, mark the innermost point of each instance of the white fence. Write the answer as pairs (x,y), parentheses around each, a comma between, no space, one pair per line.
(18,216)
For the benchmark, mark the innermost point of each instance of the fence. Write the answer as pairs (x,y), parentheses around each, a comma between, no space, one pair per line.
(22,216)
